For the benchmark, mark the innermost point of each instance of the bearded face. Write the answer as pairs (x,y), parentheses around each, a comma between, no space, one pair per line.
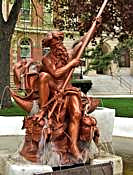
(52,38)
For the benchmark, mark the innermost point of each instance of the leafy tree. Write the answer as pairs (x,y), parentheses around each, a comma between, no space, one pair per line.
(99,59)
(117,16)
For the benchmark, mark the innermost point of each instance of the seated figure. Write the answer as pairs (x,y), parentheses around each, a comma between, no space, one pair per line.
(62,114)
(57,65)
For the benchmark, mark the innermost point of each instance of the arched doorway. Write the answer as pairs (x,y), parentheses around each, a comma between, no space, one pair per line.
(124,58)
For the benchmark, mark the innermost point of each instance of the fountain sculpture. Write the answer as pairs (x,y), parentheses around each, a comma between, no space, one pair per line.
(58,113)
(61,115)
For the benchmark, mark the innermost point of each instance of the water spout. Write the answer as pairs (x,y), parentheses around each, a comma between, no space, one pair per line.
(23,103)
(2,98)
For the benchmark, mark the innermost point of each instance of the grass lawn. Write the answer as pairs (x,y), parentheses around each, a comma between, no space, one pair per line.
(14,110)
(123,106)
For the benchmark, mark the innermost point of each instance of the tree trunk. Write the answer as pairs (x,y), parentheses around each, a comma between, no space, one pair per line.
(4,69)
(6,32)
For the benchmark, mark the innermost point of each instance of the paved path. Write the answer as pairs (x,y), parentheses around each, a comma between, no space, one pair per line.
(105,85)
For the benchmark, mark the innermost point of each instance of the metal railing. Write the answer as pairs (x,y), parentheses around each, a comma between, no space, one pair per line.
(123,82)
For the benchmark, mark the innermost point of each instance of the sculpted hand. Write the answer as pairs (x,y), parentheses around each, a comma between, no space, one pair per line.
(38,116)
(75,62)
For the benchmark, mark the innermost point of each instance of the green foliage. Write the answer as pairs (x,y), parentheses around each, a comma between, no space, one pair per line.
(99,60)
(123,107)
(81,81)
(11,1)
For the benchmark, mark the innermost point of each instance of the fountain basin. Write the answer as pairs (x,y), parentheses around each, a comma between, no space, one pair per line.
(107,165)
(27,169)
(99,169)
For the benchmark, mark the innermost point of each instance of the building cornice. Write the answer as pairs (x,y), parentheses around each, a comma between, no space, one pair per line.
(31,30)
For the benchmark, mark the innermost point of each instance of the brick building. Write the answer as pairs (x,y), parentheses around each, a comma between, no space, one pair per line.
(34,22)
(30,30)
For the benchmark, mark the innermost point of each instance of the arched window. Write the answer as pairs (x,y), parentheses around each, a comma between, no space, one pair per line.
(25,48)
(25,10)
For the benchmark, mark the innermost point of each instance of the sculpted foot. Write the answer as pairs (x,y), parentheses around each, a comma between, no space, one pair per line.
(76,153)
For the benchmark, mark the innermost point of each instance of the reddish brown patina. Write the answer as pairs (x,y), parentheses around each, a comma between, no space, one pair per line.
(63,117)
(67,121)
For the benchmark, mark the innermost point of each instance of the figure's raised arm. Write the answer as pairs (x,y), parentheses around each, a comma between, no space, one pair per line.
(75,49)
(58,72)
(78,44)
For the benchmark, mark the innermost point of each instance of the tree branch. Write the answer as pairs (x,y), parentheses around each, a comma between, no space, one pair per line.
(13,16)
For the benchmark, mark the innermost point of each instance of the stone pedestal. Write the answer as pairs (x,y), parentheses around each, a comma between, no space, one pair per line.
(116,163)
(10,167)
(27,169)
